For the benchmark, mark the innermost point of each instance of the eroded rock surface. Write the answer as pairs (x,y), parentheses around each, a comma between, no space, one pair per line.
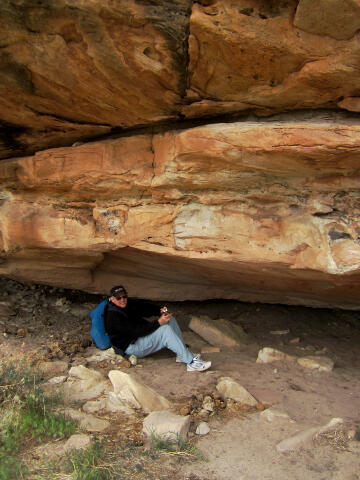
(74,70)
(255,209)
(248,210)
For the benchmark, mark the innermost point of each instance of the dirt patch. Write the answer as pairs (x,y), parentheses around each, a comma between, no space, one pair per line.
(45,323)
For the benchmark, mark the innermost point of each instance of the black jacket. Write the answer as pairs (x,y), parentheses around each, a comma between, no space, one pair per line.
(126,325)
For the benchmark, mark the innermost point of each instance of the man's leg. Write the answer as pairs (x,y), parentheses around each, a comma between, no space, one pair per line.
(165,336)
(175,326)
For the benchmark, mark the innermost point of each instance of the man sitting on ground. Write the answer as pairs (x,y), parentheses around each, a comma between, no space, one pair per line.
(131,333)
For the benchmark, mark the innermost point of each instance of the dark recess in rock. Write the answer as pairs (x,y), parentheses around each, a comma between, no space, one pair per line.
(334,235)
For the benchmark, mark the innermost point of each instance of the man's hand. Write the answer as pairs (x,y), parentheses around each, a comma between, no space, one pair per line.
(165,317)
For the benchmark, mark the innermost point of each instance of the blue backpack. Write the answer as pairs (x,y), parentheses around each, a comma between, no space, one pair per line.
(97,332)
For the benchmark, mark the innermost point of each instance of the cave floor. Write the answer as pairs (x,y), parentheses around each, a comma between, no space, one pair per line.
(45,323)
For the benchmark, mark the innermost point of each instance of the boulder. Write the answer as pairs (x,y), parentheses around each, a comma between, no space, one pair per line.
(85,384)
(57,380)
(197,343)
(229,388)
(218,332)
(202,429)
(302,438)
(79,441)
(93,406)
(313,362)
(167,424)
(271,414)
(87,421)
(115,404)
(269,355)
(109,403)
(137,395)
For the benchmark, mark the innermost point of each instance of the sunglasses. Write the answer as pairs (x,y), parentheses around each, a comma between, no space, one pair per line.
(120,297)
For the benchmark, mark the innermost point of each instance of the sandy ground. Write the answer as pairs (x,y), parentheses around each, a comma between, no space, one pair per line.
(241,445)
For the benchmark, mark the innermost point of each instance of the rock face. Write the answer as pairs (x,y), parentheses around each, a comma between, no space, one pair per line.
(256,209)
(78,69)
(74,70)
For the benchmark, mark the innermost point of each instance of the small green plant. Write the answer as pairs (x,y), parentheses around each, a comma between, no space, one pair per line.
(15,380)
(173,443)
(168,442)
(85,464)
(10,467)
(27,413)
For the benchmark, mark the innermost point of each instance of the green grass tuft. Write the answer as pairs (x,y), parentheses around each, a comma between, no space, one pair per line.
(85,464)
(10,467)
(26,415)
(174,444)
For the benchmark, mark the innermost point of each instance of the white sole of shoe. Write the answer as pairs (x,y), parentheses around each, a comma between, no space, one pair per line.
(205,367)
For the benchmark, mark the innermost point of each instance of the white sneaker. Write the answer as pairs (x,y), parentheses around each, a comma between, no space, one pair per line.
(198,365)
(178,359)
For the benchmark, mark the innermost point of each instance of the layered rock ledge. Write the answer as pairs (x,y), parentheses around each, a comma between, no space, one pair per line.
(254,210)
(73,70)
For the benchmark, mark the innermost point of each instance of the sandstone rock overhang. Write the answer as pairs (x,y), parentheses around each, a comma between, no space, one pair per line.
(264,207)
(73,70)
(256,211)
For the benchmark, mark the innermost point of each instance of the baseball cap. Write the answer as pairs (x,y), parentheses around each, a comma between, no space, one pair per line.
(117,291)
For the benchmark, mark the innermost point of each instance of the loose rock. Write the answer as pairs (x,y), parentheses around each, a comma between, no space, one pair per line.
(268,355)
(87,421)
(202,429)
(166,423)
(218,332)
(302,438)
(128,389)
(271,414)
(229,388)
(57,380)
(208,404)
(85,384)
(78,441)
(322,364)
(114,404)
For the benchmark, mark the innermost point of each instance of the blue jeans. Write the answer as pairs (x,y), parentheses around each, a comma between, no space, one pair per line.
(167,336)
